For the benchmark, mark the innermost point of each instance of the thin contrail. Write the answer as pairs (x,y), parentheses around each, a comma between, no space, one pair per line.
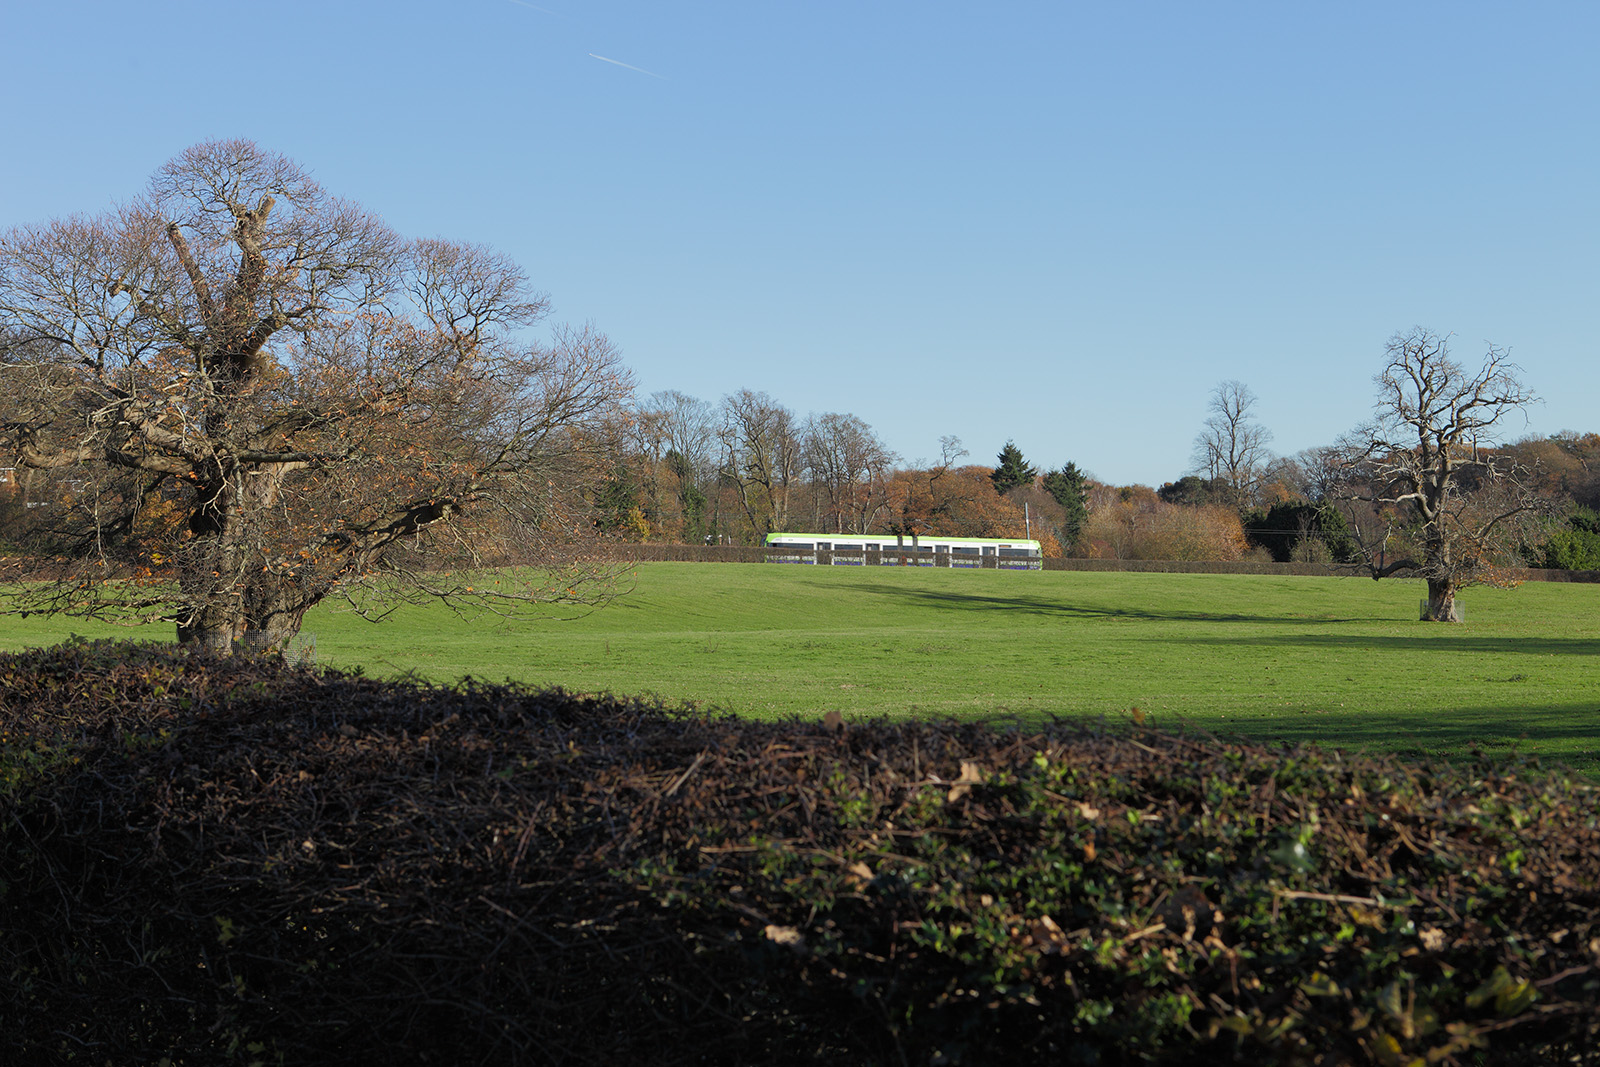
(627,66)
(536,7)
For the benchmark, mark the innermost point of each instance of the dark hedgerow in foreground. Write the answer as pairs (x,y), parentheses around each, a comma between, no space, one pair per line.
(212,862)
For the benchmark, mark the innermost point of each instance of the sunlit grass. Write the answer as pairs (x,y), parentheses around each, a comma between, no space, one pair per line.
(1333,660)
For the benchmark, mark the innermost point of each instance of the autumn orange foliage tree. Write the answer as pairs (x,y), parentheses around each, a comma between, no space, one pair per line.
(1132,522)
(955,502)
(266,397)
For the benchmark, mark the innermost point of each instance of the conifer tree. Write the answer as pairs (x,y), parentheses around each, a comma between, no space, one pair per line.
(1070,488)
(1012,470)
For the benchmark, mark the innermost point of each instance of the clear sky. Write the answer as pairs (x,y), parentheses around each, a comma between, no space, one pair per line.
(1058,223)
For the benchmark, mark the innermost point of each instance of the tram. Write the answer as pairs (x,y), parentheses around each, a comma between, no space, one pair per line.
(890,550)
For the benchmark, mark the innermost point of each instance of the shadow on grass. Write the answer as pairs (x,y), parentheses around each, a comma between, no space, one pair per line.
(1489,725)
(1564,735)
(1038,605)
(1431,637)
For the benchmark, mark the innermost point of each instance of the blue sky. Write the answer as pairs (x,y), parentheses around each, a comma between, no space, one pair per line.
(1057,223)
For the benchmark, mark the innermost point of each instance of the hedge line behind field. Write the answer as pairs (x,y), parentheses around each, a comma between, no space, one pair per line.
(229,861)
(655,552)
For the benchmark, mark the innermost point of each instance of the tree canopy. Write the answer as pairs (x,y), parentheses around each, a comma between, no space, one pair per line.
(264,396)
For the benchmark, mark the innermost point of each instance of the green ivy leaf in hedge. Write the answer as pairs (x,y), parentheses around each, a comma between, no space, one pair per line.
(1509,994)
(1319,984)
(1295,856)
(1516,998)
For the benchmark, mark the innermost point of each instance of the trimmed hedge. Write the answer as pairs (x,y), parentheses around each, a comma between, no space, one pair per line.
(230,861)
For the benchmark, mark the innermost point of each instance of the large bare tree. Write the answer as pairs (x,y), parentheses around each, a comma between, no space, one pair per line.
(1425,492)
(265,397)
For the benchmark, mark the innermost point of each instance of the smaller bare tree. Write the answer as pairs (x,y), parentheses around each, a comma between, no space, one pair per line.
(1232,448)
(1424,491)
(761,457)
(848,463)
(677,434)
(1316,473)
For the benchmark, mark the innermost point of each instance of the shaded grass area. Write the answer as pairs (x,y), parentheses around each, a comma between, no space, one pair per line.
(1329,660)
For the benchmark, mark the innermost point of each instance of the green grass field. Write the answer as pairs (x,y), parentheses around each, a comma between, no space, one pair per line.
(1331,660)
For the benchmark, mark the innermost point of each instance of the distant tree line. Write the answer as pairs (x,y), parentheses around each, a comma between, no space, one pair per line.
(684,469)
(1424,488)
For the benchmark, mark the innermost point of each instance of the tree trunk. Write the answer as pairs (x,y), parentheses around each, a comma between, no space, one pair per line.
(1441,606)
(273,603)
(231,601)
(214,629)
(1440,568)
(216,618)
(274,607)
(267,621)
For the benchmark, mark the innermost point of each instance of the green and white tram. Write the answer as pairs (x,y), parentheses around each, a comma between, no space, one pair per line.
(890,550)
